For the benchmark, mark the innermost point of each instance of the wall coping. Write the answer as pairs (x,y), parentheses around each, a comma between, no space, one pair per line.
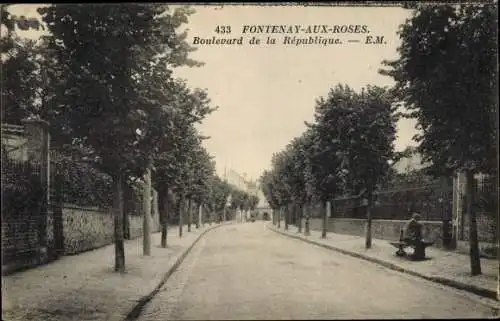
(85,208)
(36,121)
(378,220)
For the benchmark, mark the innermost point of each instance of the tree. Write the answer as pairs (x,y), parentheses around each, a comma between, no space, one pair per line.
(203,172)
(289,182)
(346,149)
(22,78)
(253,202)
(302,186)
(19,77)
(325,153)
(377,133)
(186,156)
(446,77)
(186,108)
(366,129)
(281,163)
(201,168)
(106,56)
(269,188)
(220,190)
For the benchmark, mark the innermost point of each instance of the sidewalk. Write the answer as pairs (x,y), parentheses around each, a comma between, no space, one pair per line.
(445,267)
(85,286)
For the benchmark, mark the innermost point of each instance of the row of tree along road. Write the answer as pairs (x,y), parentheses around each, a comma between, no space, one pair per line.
(102,78)
(446,79)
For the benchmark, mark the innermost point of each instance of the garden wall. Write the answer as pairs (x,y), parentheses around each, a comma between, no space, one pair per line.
(381,229)
(433,230)
(87,228)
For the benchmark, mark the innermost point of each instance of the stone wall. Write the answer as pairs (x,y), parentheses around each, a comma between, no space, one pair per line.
(136,225)
(85,228)
(79,229)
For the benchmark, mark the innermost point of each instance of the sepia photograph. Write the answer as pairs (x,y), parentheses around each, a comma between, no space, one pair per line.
(249,161)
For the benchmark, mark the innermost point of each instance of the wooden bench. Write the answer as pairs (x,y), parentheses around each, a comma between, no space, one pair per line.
(418,248)
(400,245)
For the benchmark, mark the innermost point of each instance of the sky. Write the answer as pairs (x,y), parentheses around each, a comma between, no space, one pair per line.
(266,92)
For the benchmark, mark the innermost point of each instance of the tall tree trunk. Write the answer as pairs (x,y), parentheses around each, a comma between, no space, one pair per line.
(368,239)
(324,226)
(301,211)
(287,216)
(279,216)
(190,213)
(475,261)
(118,222)
(180,209)
(200,211)
(307,230)
(212,214)
(127,209)
(164,216)
(331,211)
(146,223)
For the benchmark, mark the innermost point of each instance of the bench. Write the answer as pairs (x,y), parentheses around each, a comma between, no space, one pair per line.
(419,247)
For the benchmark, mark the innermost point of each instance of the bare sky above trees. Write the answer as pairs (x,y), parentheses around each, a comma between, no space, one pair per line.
(266,93)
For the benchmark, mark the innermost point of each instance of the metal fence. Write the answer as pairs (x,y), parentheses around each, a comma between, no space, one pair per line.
(485,206)
(22,212)
(433,202)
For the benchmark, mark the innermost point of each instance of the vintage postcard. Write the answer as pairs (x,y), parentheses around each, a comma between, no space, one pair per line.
(249,161)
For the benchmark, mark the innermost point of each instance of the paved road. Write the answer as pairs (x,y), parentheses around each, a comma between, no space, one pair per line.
(248,272)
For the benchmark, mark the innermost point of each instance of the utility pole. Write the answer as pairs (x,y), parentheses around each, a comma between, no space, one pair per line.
(146,199)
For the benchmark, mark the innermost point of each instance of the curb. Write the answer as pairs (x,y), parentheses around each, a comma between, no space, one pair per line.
(137,309)
(444,281)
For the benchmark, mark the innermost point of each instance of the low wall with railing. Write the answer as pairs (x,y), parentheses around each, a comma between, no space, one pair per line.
(381,229)
(390,230)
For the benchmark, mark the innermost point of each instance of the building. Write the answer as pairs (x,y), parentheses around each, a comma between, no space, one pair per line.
(412,161)
(234,178)
(252,187)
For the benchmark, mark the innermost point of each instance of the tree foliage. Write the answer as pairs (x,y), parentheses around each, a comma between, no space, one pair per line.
(103,80)
(446,77)
(346,149)
(118,114)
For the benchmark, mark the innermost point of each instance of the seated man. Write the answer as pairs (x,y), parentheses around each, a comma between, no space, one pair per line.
(412,233)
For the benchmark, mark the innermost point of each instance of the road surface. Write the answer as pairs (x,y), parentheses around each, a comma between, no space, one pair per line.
(245,271)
